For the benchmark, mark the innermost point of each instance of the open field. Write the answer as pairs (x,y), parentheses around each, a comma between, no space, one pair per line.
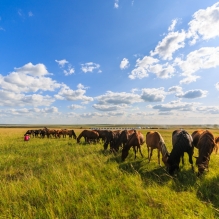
(58,178)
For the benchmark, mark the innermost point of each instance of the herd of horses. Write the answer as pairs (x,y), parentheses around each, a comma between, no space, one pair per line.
(124,140)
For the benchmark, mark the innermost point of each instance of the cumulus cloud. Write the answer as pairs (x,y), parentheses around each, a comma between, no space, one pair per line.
(176,105)
(203,58)
(66,93)
(13,99)
(124,63)
(191,94)
(172,42)
(204,24)
(118,98)
(33,70)
(29,78)
(175,89)
(142,67)
(153,94)
(90,67)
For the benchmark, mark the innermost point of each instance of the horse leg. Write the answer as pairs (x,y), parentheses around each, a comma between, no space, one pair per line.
(150,155)
(191,161)
(139,147)
(158,156)
(135,151)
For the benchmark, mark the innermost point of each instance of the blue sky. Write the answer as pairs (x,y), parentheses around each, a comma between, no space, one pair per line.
(109,62)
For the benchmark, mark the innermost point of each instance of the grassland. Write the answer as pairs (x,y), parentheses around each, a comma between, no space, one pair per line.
(58,178)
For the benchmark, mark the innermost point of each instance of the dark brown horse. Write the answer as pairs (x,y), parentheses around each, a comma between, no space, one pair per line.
(71,134)
(88,135)
(154,140)
(111,139)
(123,138)
(206,145)
(135,141)
(182,142)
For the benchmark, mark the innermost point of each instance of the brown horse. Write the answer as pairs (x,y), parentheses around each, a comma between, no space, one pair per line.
(154,140)
(123,138)
(135,141)
(71,133)
(217,144)
(88,136)
(196,135)
(206,145)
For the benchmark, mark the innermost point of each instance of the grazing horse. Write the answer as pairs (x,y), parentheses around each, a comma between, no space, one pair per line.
(196,135)
(88,136)
(111,138)
(216,144)
(182,142)
(71,133)
(154,140)
(123,138)
(135,141)
(206,145)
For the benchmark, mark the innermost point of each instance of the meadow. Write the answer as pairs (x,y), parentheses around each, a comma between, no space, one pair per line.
(59,178)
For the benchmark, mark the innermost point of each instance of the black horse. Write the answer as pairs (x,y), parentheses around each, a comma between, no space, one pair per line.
(182,142)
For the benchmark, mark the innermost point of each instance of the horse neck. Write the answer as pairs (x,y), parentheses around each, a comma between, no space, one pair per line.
(164,151)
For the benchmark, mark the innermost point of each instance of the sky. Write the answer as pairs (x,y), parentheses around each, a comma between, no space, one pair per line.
(109,62)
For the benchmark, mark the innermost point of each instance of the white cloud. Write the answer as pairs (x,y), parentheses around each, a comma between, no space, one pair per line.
(191,94)
(176,105)
(75,106)
(12,99)
(69,71)
(124,63)
(175,89)
(142,67)
(33,70)
(153,94)
(118,98)
(162,71)
(67,93)
(172,42)
(101,107)
(173,24)
(205,24)
(29,78)
(204,58)
(116,4)
(62,62)
(89,67)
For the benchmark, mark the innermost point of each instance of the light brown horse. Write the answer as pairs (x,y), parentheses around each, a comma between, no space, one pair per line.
(135,141)
(217,144)
(154,140)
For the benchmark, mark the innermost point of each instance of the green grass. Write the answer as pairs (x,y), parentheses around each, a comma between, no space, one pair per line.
(58,178)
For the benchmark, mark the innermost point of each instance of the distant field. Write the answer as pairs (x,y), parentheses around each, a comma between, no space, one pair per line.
(58,178)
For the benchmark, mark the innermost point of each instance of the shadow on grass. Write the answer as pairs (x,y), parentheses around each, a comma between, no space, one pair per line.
(208,192)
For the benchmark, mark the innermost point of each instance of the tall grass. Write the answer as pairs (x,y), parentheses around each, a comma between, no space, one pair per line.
(58,178)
